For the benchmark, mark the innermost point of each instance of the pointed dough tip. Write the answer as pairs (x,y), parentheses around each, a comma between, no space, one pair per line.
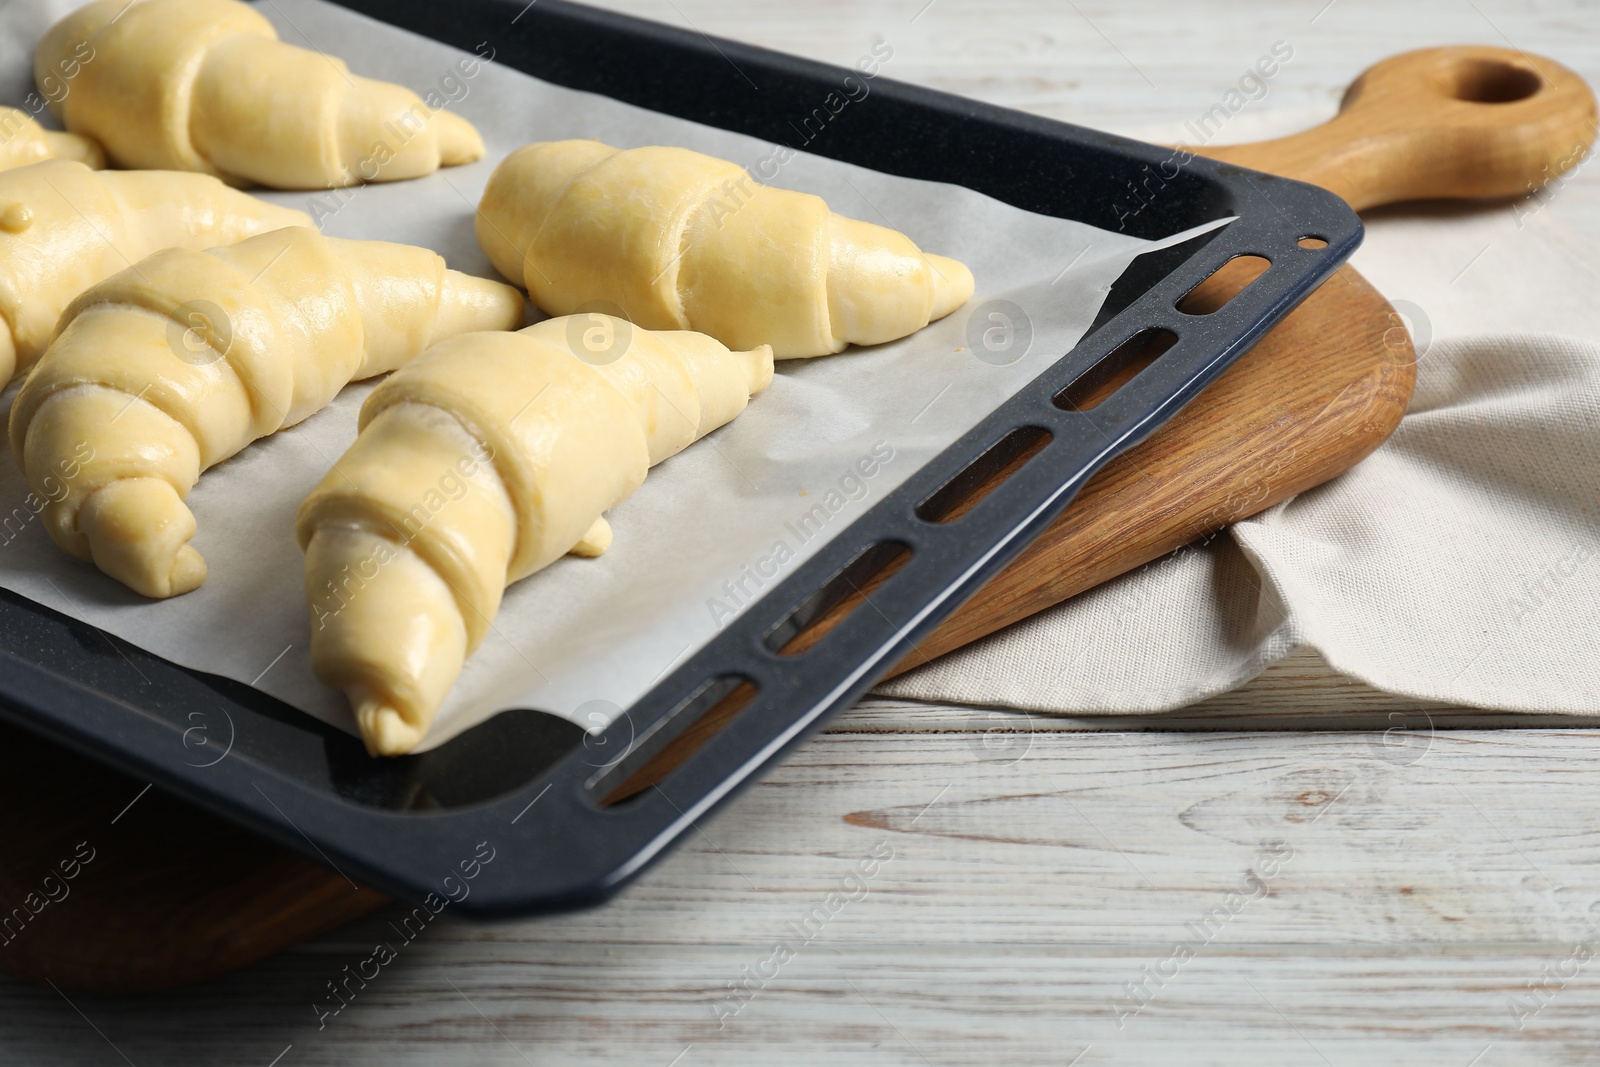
(595,540)
(188,571)
(758,363)
(138,532)
(383,728)
(952,285)
(459,140)
(468,304)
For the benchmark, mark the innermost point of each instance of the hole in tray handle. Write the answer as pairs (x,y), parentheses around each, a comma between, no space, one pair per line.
(1223,284)
(670,742)
(984,475)
(1116,369)
(822,612)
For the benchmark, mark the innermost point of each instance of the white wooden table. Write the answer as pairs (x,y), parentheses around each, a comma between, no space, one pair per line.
(1267,877)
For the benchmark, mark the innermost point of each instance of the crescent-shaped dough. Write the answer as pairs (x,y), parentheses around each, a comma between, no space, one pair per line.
(486,459)
(205,85)
(684,241)
(64,227)
(185,358)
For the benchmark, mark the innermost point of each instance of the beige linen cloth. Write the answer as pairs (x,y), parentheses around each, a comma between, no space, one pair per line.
(1460,562)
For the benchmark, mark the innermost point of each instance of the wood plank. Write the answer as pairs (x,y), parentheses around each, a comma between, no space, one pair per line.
(1419,896)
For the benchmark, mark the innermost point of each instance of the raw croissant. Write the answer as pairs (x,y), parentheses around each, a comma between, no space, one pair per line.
(205,85)
(684,241)
(64,227)
(479,463)
(185,358)
(24,141)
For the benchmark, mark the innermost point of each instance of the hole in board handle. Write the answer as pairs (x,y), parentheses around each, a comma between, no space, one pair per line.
(984,475)
(1116,369)
(821,612)
(1489,81)
(1223,284)
(669,743)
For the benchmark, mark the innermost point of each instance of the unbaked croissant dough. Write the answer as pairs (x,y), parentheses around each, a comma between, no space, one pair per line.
(185,358)
(205,85)
(64,227)
(24,141)
(684,241)
(479,463)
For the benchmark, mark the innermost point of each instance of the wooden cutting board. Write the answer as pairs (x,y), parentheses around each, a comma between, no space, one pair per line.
(162,894)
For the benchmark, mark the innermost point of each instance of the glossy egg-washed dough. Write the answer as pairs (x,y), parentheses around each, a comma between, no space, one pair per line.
(64,227)
(24,141)
(183,359)
(683,241)
(484,460)
(205,85)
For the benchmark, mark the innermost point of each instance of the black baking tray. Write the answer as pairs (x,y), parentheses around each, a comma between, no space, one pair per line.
(539,791)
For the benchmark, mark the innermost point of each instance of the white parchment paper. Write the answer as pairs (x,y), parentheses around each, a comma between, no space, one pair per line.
(712,528)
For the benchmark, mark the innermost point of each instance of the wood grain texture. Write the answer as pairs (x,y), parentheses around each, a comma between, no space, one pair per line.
(1428,884)
(1460,122)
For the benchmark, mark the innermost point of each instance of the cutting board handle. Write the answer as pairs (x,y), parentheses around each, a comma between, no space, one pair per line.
(1458,122)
